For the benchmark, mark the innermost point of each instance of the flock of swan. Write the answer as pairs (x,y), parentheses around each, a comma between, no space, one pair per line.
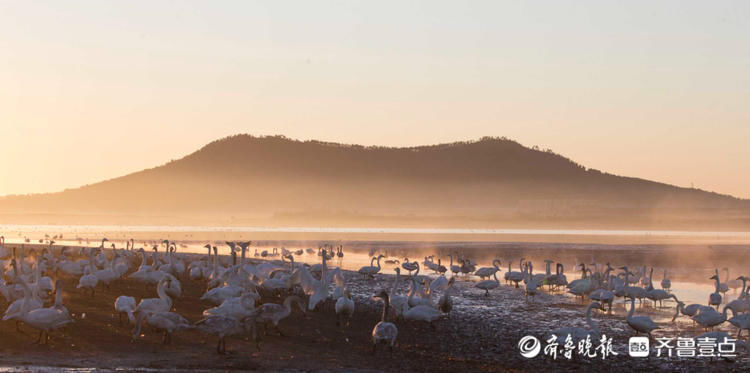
(246,294)
(602,285)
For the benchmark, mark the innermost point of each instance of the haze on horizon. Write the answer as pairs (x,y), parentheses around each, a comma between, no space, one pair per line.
(95,90)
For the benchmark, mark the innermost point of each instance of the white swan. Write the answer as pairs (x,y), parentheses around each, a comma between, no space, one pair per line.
(422,313)
(370,271)
(224,326)
(125,304)
(320,294)
(714,299)
(741,321)
(273,313)
(89,280)
(641,324)
(237,307)
(454,268)
(49,318)
(445,303)
(741,304)
(153,305)
(409,266)
(666,283)
(344,308)
(168,322)
(516,276)
(487,272)
(384,331)
(577,333)
(488,285)
(399,303)
(709,318)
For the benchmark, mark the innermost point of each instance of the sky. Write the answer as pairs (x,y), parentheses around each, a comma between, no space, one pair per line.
(91,90)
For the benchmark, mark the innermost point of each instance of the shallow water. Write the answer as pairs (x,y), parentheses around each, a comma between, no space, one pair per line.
(553,232)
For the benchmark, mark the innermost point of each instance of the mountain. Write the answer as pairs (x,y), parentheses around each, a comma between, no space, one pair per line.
(492,182)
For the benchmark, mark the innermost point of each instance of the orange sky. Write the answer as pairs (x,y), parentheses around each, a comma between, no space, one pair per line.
(93,90)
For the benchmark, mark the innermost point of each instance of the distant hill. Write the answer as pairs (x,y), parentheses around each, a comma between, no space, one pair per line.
(491,182)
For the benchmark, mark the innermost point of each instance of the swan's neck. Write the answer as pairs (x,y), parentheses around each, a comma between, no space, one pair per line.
(590,322)
(395,284)
(386,304)
(632,308)
(163,293)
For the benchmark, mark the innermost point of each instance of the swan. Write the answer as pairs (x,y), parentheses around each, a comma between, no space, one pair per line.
(107,275)
(441,268)
(142,274)
(531,284)
(237,307)
(153,305)
(422,313)
(632,291)
(344,308)
(399,303)
(708,317)
(666,283)
(220,294)
(69,267)
(174,288)
(690,310)
(714,299)
(739,321)
(488,285)
(732,284)
(384,331)
(641,324)
(487,272)
(424,299)
(89,280)
(445,303)
(29,302)
(169,322)
(659,295)
(4,252)
(440,283)
(49,318)
(224,326)
(559,278)
(605,296)
(454,268)
(576,333)
(42,285)
(516,276)
(125,304)
(370,271)
(467,267)
(272,312)
(320,294)
(741,304)
(409,266)
(581,287)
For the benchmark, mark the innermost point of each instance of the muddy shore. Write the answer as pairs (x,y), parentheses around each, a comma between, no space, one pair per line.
(481,334)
